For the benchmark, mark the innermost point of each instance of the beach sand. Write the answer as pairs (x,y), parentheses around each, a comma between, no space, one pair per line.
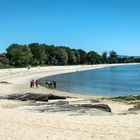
(20,121)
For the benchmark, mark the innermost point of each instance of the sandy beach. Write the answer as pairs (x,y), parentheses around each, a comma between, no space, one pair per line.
(19,120)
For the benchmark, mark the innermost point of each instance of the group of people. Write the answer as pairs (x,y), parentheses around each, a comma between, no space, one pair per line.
(34,83)
(50,84)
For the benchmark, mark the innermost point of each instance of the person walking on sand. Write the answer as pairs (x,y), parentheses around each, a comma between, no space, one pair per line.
(36,83)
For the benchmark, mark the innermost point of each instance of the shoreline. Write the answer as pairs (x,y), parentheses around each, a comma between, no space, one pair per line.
(22,76)
(87,68)
(20,120)
(19,78)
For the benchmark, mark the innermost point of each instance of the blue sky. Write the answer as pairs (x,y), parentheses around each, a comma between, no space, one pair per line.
(99,25)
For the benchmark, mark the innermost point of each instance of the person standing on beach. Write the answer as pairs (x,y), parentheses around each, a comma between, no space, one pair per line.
(32,83)
(54,84)
(36,83)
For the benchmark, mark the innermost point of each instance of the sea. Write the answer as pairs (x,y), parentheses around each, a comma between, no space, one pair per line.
(110,81)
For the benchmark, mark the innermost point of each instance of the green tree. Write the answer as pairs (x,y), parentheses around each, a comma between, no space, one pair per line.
(50,52)
(83,56)
(113,58)
(61,56)
(26,56)
(130,60)
(104,57)
(38,52)
(77,55)
(13,53)
(3,59)
(93,57)
(19,55)
(71,57)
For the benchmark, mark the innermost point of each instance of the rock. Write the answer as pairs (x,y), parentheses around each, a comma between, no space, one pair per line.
(126,98)
(55,106)
(135,108)
(59,103)
(4,82)
(103,107)
(72,107)
(32,96)
(94,101)
(54,97)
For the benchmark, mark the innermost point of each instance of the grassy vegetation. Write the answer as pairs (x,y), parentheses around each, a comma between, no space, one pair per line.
(2,66)
(127,99)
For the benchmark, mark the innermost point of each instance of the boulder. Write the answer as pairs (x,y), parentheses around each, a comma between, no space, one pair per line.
(103,107)
(72,107)
(59,103)
(32,96)
(135,108)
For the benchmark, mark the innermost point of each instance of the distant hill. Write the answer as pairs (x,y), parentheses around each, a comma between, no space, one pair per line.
(123,56)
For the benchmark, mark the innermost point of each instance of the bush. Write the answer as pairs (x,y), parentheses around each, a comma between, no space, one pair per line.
(3,66)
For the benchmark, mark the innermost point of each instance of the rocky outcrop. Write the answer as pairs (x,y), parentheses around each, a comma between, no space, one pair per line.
(41,101)
(72,107)
(125,98)
(4,82)
(135,108)
(103,107)
(32,96)
(59,103)
(94,101)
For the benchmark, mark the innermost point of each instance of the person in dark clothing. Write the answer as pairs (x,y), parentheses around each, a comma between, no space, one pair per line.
(54,84)
(47,83)
(32,83)
(36,83)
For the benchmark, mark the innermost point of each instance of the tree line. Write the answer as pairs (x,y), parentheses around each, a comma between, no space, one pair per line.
(34,54)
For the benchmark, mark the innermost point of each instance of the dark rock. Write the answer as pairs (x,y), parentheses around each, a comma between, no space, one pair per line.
(94,101)
(4,82)
(56,106)
(32,96)
(55,97)
(59,103)
(135,108)
(103,107)
(73,107)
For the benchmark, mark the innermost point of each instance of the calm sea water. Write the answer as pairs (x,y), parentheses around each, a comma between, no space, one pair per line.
(111,81)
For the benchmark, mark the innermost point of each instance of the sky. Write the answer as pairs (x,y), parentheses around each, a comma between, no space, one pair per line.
(98,25)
